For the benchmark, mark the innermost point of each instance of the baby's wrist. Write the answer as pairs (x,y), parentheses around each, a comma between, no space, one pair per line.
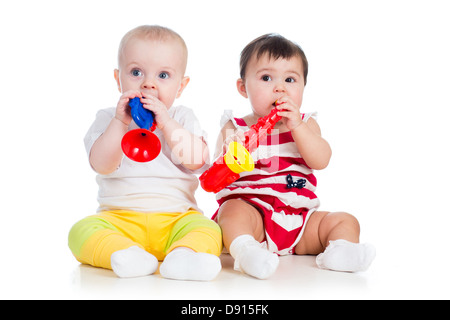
(165,124)
(121,121)
(297,126)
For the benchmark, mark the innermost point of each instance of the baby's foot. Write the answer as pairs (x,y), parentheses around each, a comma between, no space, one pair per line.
(185,264)
(252,259)
(342,255)
(133,262)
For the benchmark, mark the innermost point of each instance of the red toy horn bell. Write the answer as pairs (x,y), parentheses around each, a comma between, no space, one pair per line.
(141,145)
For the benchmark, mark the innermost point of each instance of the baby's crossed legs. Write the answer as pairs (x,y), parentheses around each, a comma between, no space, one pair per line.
(131,243)
(332,235)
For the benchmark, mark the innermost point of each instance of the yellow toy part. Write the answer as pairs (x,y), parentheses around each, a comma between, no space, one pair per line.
(238,159)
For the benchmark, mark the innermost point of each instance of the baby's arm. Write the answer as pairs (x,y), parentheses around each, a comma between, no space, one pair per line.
(314,149)
(190,150)
(106,153)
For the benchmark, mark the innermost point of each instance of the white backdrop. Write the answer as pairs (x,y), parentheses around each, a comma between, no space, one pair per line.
(379,78)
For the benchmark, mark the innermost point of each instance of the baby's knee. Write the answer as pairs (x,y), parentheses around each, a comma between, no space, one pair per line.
(229,207)
(83,230)
(236,208)
(197,232)
(348,219)
(343,219)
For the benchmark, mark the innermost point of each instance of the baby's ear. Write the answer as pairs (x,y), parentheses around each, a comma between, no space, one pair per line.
(184,83)
(116,76)
(241,87)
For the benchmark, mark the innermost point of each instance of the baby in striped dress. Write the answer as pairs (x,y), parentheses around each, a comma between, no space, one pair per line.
(272,210)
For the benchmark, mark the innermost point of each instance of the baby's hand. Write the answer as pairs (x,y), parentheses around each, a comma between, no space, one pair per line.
(292,117)
(238,136)
(123,113)
(159,109)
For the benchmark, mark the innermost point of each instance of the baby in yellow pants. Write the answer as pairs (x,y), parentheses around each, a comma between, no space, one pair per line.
(147,210)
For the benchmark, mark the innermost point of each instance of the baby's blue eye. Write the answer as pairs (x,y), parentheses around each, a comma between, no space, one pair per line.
(266,78)
(163,75)
(136,72)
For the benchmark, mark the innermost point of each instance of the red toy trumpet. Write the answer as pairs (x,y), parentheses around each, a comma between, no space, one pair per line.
(226,169)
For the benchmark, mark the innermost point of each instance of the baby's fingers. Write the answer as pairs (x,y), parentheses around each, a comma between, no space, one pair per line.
(284,114)
(130,94)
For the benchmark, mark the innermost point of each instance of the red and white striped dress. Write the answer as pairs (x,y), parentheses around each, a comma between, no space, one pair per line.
(285,210)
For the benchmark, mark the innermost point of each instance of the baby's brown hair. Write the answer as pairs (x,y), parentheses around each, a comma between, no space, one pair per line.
(276,46)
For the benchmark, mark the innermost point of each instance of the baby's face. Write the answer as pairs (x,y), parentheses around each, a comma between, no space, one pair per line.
(267,80)
(154,68)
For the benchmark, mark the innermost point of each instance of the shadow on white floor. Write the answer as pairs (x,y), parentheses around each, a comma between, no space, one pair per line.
(296,278)
(394,274)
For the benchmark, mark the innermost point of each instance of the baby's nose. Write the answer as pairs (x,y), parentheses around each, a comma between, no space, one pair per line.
(279,87)
(148,84)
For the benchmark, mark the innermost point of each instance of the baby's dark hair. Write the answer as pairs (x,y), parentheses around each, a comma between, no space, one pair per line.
(276,46)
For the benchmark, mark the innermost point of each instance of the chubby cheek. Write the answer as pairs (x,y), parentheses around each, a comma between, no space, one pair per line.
(299,99)
(127,84)
(296,94)
(260,99)
(167,102)
(166,98)
(255,99)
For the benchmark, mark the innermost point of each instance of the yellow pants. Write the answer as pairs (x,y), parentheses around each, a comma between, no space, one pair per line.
(94,239)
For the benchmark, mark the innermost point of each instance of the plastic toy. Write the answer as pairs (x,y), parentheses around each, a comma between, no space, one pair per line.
(226,169)
(141,145)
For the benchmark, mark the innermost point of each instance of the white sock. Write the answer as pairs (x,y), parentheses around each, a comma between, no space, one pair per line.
(133,262)
(186,264)
(342,255)
(251,258)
